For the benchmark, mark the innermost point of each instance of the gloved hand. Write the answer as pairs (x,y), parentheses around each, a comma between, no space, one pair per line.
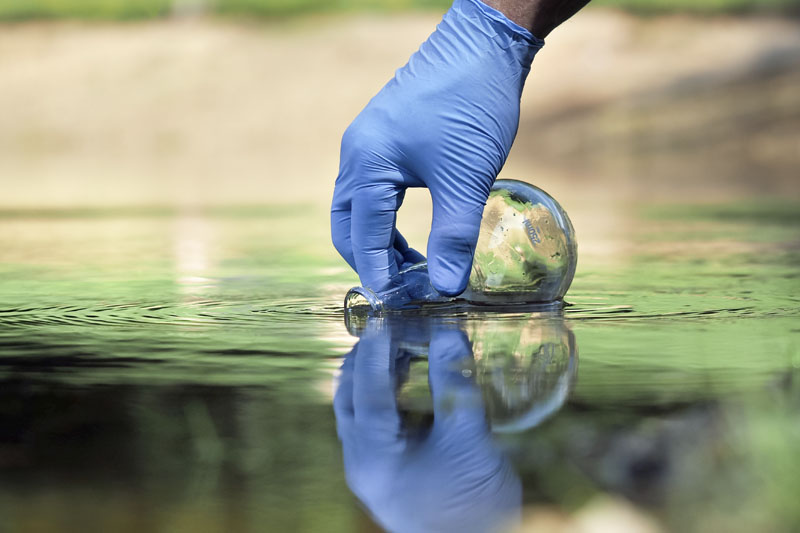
(446,122)
(450,478)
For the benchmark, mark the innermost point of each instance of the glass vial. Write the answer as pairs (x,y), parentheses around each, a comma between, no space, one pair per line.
(526,254)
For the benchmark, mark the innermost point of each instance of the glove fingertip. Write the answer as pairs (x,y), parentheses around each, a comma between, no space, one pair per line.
(450,277)
(451,247)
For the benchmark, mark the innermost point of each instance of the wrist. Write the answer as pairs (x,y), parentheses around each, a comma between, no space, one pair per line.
(496,25)
(539,17)
(517,12)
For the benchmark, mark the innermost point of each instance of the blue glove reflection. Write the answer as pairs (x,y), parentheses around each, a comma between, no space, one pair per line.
(449,479)
(446,122)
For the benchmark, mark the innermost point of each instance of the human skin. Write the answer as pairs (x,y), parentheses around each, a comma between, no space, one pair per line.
(540,17)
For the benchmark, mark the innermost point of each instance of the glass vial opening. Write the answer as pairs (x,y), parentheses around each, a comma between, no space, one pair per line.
(362,300)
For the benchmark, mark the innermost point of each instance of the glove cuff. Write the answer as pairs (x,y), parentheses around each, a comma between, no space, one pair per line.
(494,22)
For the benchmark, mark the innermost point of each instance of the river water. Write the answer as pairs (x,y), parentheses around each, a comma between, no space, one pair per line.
(190,370)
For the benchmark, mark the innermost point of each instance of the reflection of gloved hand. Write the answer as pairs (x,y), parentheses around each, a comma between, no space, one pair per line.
(446,122)
(450,479)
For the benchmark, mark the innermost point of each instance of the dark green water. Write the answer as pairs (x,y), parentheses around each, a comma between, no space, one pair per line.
(171,371)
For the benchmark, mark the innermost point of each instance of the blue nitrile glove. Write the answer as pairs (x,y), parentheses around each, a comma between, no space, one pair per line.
(450,478)
(446,122)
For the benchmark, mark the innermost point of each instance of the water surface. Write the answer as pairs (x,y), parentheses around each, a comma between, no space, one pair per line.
(167,370)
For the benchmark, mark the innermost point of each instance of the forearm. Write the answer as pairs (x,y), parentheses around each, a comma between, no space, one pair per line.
(538,16)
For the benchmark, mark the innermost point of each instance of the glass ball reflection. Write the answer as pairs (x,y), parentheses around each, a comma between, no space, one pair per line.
(526,369)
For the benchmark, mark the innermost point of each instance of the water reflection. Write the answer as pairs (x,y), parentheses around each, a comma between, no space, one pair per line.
(417,404)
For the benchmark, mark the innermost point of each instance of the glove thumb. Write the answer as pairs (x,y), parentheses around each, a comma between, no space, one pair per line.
(451,245)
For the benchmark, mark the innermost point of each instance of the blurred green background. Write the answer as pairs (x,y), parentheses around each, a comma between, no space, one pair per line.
(127,9)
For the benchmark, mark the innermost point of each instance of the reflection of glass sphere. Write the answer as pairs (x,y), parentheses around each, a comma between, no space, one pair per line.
(525,371)
(524,367)
(526,251)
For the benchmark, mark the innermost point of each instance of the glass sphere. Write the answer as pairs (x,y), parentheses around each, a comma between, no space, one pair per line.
(526,252)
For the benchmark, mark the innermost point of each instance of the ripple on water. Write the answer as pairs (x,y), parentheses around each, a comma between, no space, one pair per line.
(193,313)
(629,314)
(257,313)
